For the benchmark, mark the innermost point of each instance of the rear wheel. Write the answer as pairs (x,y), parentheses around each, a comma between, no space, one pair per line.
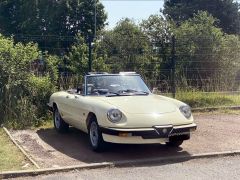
(59,123)
(95,136)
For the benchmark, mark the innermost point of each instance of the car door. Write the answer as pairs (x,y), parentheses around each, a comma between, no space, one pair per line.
(65,109)
(78,111)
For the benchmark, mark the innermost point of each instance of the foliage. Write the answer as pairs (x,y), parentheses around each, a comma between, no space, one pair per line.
(59,20)
(159,32)
(124,44)
(23,91)
(76,63)
(205,51)
(78,57)
(127,48)
(226,11)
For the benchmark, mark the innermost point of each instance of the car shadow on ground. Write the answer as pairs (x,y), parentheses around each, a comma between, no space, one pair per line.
(75,144)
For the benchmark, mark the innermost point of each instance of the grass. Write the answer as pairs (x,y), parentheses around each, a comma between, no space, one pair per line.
(46,125)
(11,158)
(219,111)
(203,99)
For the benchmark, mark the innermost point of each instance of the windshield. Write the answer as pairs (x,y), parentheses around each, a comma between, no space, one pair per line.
(116,85)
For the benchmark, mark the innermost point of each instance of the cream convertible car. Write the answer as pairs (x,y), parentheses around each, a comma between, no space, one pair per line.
(119,108)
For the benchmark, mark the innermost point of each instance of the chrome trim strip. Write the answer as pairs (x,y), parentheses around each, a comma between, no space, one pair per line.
(193,125)
(164,126)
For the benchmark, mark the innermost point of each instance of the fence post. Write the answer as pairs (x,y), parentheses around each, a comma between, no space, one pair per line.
(173,71)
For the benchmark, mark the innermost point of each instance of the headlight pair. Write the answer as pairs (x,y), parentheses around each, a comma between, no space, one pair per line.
(186,111)
(114,115)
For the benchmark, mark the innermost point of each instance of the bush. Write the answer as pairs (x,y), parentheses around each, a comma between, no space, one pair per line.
(23,91)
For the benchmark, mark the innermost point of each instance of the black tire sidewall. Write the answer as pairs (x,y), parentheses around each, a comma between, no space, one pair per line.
(63,126)
(175,143)
(54,114)
(100,142)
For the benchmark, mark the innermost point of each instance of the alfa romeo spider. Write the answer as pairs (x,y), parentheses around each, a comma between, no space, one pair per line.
(120,108)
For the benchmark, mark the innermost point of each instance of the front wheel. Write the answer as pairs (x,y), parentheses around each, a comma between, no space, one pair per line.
(59,123)
(95,136)
(174,143)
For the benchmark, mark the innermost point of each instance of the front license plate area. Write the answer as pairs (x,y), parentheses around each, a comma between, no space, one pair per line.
(179,132)
(163,132)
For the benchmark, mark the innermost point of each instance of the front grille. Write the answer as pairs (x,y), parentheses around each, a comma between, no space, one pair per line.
(180,131)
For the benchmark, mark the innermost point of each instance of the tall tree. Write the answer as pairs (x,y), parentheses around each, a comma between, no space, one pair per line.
(226,11)
(206,57)
(60,20)
(124,45)
(129,49)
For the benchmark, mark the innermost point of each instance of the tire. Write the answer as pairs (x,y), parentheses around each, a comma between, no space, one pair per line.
(95,136)
(59,124)
(174,143)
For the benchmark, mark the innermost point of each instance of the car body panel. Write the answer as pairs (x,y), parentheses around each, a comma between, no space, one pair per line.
(145,104)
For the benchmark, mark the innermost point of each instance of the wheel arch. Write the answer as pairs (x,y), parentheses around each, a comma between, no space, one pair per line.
(91,115)
(54,106)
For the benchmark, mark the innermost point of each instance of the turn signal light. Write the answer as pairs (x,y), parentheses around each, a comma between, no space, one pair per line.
(123,134)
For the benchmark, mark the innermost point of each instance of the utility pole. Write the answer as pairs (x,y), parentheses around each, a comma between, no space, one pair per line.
(95,18)
(92,36)
(173,75)
(89,54)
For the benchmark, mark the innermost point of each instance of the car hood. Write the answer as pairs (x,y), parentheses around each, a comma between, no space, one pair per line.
(141,104)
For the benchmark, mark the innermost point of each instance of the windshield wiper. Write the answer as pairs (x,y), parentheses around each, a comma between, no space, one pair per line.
(110,94)
(135,92)
(126,92)
(142,92)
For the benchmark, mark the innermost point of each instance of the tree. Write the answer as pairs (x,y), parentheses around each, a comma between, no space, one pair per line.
(124,45)
(159,31)
(226,11)
(59,20)
(206,57)
(77,58)
(129,49)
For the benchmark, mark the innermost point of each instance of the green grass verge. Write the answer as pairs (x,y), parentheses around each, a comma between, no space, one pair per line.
(46,125)
(11,158)
(218,112)
(201,99)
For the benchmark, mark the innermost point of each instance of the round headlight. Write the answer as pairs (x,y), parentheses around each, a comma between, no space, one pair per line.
(114,115)
(186,111)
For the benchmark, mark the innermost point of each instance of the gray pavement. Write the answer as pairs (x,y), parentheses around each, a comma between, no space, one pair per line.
(208,168)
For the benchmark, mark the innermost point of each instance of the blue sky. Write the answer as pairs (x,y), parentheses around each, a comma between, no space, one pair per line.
(134,9)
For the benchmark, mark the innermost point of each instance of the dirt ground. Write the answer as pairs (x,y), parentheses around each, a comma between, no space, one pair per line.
(216,132)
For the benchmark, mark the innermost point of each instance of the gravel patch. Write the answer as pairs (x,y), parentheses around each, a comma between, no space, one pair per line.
(215,133)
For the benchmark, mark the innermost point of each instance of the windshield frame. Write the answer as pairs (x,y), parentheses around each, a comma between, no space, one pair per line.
(95,75)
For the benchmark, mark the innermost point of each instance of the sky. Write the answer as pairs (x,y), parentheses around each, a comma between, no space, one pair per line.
(133,9)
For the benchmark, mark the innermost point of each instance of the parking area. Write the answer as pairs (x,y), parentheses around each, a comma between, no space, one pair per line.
(215,133)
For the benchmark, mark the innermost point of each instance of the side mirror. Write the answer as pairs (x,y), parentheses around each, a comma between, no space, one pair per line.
(79,89)
(155,90)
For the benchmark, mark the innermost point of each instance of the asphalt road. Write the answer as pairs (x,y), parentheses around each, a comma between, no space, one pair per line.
(209,168)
